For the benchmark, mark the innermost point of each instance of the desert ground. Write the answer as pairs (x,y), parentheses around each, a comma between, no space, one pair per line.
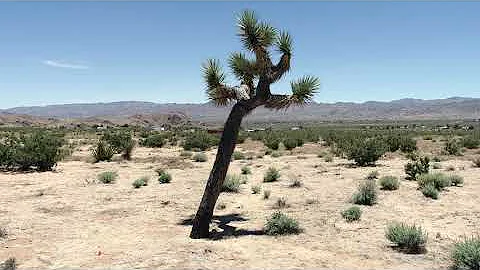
(64,219)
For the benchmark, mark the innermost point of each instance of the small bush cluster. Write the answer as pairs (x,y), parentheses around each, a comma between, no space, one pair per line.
(140,182)
(153,141)
(200,140)
(164,177)
(453,147)
(271,175)
(408,238)
(366,194)
(232,183)
(186,154)
(246,170)
(121,142)
(389,183)
(471,142)
(281,224)
(107,177)
(352,214)
(420,165)
(237,155)
(103,152)
(466,254)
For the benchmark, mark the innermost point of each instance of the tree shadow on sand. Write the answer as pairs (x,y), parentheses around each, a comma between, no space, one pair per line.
(222,222)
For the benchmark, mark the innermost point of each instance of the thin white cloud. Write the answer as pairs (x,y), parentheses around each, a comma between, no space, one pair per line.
(60,64)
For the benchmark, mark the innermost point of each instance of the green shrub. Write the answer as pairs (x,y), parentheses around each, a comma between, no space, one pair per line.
(430,191)
(389,183)
(372,175)
(420,165)
(453,147)
(466,254)
(164,178)
(103,151)
(140,182)
(352,214)
(366,194)
(409,239)
(289,143)
(271,175)
(365,151)
(407,144)
(272,143)
(455,180)
(200,140)
(266,194)
(108,177)
(9,264)
(281,224)
(238,155)
(256,189)
(232,183)
(328,158)
(200,157)
(471,142)
(186,154)
(246,170)
(153,141)
(438,180)
(121,142)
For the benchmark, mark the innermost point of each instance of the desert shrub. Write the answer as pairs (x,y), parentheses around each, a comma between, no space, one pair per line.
(389,183)
(232,183)
(266,194)
(455,180)
(289,143)
(103,151)
(237,155)
(9,264)
(328,158)
(140,182)
(164,178)
(107,177)
(420,165)
(438,180)
(407,144)
(246,170)
(271,175)
(272,142)
(3,233)
(471,142)
(466,254)
(256,189)
(372,175)
(430,191)
(351,214)
(39,150)
(186,154)
(476,162)
(408,238)
(296,183)
(153,141)
(366,151)
(200,140)
(453,147)
(121,142)
(281,224)
(275,154)
(366,194)
(200,157)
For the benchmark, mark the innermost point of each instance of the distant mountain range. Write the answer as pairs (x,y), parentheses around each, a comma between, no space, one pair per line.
(403,109)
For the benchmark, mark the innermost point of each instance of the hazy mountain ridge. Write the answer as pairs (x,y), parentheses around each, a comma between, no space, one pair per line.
(450,108)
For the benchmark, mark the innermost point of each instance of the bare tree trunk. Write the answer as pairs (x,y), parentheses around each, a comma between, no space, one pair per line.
(201,222)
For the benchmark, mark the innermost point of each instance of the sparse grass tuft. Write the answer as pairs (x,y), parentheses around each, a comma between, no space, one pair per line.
(455,180)
(438,180)
(246,170)
(408,238)
(266,194)
(281,224)
(3,233)
(107,177)
(186,154)
(237,155)
(271,175)
(352,214)
(296,183)
(430,191)
(366,194)
(232,183)
(389,183)
(256,189)
(281,203)
(466,254)
(372,175)
(140,182)
(200,157)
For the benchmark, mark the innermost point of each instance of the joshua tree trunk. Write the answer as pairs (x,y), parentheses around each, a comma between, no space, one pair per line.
(201,222)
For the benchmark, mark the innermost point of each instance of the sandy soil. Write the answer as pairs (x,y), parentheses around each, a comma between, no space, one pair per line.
(63,219)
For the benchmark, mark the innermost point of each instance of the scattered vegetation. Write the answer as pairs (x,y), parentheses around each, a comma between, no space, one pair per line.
(232,183)
(186,154)
(107,177)
(420,165)
(281,224)
(140,182)
(366,194)
(438,180)
(352,214)
(237,155)
(200,157)
(430,191)
(466,254)
(453,147)
(271,175)
(389,183)
(455,180)
(200,140)
(408,238)
(153,141)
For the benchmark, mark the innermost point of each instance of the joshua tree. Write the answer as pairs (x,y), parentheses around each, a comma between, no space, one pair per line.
(255,76)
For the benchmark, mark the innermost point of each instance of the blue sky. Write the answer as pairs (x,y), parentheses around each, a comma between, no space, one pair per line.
(61,52)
